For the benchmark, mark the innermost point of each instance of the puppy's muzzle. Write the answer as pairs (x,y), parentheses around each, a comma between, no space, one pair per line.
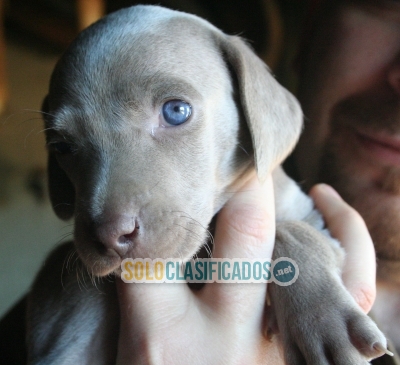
(112,239)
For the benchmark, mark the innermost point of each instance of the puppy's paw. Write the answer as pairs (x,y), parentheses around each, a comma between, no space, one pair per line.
(365,336)
(319,321)
(327,328)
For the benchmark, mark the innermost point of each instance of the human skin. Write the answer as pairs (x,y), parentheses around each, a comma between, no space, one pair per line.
(350,92)
(223,324)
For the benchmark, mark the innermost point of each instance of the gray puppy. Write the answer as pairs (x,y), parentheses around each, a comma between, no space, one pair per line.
(152,118)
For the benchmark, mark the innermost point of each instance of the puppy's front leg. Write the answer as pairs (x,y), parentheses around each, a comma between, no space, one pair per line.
(71,318)
(320,321)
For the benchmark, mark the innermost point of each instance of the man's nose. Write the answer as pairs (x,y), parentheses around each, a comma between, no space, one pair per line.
(394,77)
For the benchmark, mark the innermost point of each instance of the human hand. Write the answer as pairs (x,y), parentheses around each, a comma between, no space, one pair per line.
(346,225)
(221,323)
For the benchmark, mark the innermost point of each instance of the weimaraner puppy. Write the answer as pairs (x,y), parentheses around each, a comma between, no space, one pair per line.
(152,118)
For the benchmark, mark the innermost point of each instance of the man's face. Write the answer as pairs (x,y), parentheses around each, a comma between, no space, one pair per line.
(350,92)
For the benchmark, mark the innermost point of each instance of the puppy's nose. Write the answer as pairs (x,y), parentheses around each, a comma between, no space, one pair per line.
(117,235)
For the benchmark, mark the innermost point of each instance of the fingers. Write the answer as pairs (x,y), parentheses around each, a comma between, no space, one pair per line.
(145,298)
(346,225)
(246,225)
(147,312)
(245,229)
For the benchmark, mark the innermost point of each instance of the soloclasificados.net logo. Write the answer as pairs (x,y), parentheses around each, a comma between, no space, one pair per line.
(283,271)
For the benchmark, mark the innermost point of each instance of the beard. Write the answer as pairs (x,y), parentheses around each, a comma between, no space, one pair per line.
(381,215)
(371,187)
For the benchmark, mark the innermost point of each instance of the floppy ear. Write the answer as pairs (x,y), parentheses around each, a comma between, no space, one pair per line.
(61,190)
(272,113)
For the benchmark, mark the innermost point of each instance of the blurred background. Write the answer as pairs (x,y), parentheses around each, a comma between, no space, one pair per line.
(33,35)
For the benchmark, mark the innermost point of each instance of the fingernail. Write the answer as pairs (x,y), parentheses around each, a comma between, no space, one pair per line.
(382,349)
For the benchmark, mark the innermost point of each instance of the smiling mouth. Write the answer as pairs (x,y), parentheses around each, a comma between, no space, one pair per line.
(383,148)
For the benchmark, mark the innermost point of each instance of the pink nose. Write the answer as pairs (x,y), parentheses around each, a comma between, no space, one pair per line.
(116,235)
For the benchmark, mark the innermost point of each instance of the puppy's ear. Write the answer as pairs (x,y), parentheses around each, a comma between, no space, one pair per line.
(61,190)
(273,114)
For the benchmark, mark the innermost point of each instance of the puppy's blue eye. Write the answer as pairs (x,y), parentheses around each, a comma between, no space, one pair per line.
(176,112)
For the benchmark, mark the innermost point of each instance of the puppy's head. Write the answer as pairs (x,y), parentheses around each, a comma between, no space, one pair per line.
(146,118)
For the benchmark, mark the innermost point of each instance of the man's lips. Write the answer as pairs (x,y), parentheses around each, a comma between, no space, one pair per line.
(381,147)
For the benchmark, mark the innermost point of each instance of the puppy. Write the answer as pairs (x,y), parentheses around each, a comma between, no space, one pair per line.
(153,116)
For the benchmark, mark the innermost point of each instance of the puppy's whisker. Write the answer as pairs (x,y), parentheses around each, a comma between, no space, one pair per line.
(210,241)
(193,234)
(44,130)
(62,238)
(83,276)
(27,120)
(110,278)
(243,149)
(6,120)
(77,265)
(38,111)
(60,204)
(187,216)
(65,265)
(91,277)
(207,231)
(66,234)
(94,279)
(67,226)
(70,256)
(210,238)
(208,249)
(78,280)
(27,136)
(10,116)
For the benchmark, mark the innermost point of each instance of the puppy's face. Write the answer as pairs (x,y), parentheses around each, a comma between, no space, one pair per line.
(143,125)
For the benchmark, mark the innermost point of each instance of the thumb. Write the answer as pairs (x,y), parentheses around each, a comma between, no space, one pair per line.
(347,225)
(245,229)
(246,224)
